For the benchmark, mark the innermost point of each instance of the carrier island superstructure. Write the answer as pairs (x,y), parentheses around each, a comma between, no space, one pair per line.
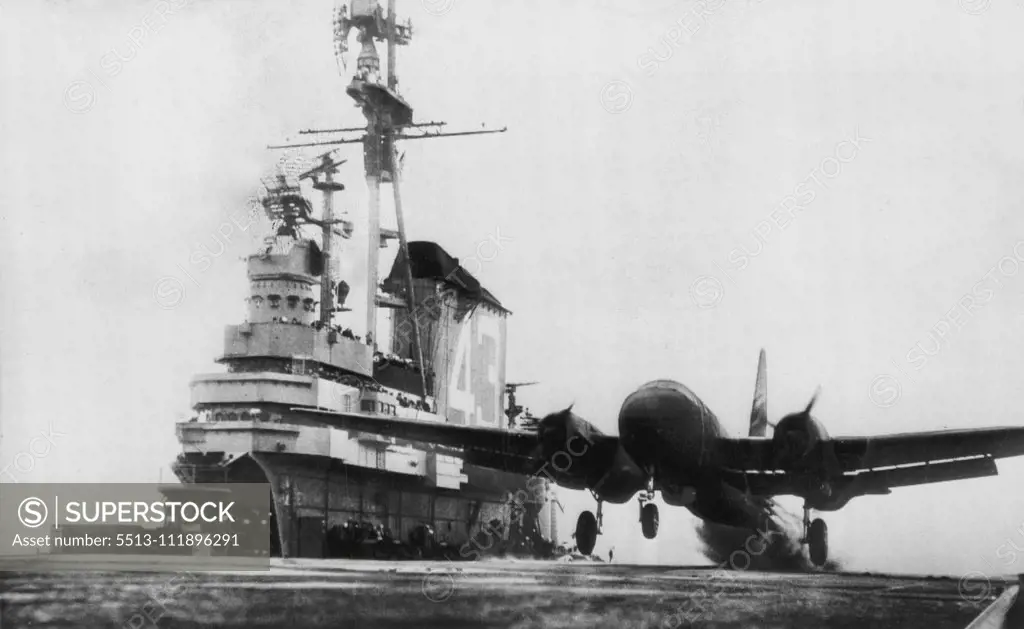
(443,360)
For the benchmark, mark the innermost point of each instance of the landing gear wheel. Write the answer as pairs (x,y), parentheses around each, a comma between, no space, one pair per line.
(586,532)
(817,538)
(649,520)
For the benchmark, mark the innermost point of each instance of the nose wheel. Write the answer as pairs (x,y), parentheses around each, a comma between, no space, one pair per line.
(649,512)
(588,527)
(816,538)
(649,520)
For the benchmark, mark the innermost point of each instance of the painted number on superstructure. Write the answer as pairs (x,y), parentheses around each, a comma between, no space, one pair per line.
(474,392)
(490,395)
(460,391)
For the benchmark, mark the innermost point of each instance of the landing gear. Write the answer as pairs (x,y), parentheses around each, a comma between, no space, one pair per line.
(816,538)
(588,527)
(586,532)
(649,512)
(649,520)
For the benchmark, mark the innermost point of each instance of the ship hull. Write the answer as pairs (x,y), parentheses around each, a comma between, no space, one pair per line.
(323,507)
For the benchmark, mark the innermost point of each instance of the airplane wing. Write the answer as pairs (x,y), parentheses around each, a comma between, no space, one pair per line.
(866,453)
(508,450)
(902,449)
(875,464)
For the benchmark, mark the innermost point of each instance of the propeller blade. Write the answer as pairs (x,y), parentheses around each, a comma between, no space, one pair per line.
(814,399)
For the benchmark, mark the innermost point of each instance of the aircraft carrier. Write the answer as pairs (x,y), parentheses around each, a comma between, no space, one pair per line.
(357,496)
(441,359)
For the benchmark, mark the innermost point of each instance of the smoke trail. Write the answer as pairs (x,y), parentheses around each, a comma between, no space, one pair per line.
(743,549)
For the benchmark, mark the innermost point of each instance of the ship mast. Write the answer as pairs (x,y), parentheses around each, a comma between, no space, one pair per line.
(328,186)
(392,57)
(388,119)
(396,172)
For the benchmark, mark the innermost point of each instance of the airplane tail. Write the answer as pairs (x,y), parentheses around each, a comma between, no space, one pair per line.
(759,411)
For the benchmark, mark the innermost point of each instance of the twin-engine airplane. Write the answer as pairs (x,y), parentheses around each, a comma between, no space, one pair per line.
(669,441)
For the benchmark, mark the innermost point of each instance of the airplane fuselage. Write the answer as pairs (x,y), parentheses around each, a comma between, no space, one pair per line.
(663,423)
(672,436)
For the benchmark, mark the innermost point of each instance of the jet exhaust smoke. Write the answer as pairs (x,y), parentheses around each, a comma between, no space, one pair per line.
(743,549)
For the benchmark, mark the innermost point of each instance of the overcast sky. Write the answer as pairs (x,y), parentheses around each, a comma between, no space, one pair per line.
(639,194)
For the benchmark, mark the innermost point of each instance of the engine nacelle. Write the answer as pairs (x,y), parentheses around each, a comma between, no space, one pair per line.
(579,456)
(796,440)
(568,447)
(830,500)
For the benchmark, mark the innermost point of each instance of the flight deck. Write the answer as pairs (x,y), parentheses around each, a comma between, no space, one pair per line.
(341,594)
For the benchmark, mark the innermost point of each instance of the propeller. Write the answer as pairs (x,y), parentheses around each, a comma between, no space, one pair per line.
(551,423)
(800,433)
